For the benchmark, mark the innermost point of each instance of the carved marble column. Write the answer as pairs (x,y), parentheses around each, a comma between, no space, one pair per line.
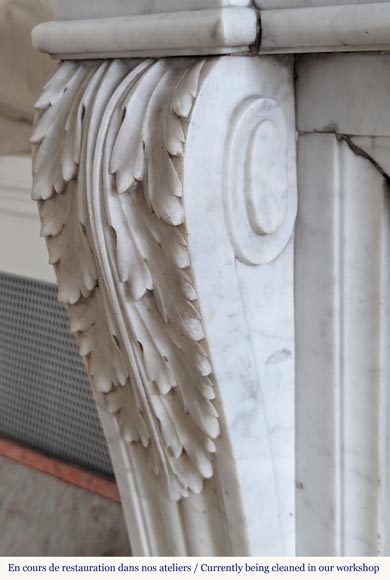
(165,173)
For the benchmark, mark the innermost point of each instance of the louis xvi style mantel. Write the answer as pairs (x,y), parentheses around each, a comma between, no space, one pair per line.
(215,203)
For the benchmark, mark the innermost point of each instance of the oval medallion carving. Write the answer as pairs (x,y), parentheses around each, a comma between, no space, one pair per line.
(256,188)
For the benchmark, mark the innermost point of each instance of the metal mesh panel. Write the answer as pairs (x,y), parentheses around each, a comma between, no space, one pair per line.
(45,398)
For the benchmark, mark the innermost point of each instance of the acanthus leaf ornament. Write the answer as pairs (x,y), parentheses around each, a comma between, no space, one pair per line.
(109,141)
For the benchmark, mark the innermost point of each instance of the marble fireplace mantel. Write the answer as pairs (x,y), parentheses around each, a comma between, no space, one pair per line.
(165,28)
(215,203)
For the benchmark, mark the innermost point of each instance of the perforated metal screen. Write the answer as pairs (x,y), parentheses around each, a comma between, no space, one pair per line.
(45,398)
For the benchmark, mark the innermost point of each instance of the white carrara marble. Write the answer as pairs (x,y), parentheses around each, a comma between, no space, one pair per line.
(341,351)
(276,4)
(78,9)
(326,28)
(249,331)
(321,108)
(342,298)
(192,366)
(162,29)
(179,33)
(242,378)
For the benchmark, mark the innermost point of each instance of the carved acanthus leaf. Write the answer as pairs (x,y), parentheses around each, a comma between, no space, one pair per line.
(109,146)
(68,245)
(98,344)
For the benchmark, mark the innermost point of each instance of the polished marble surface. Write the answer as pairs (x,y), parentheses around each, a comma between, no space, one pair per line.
(74,9)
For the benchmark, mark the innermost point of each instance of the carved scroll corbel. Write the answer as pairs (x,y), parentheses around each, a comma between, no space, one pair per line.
(149,176)
(109,142)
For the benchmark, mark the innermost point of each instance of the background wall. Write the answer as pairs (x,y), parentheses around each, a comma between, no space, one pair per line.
(39,515)
(22,71)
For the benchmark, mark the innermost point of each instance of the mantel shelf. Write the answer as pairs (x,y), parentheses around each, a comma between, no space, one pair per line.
(215,27)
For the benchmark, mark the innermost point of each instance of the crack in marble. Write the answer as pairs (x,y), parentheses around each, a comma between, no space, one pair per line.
(348,139)
(362,153)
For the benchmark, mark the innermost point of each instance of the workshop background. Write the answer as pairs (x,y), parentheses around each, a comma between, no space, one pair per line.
(58,496)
